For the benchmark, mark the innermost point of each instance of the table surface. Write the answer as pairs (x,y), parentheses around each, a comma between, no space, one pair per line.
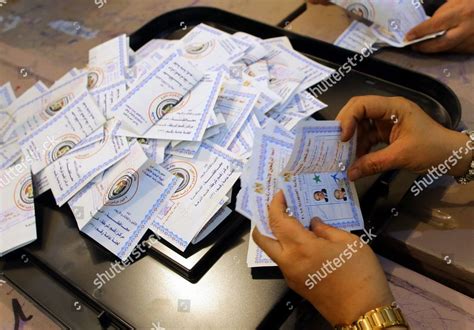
(26,41)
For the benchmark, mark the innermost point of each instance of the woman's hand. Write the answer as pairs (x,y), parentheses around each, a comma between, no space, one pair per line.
(333,269)
(319,2)
(457,18)
(415,141)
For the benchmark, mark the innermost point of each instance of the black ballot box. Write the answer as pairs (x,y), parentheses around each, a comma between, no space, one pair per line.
(77,284)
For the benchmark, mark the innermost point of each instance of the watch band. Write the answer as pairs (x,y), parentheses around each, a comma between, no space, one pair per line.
(469,176)
(379,318)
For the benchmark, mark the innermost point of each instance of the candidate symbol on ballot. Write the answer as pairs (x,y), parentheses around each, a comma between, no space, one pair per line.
(57,105)
(164,104)
(63,147)
(94,78)
(123,188)
(24,197)
(188,175)
(199,49)
(362,8)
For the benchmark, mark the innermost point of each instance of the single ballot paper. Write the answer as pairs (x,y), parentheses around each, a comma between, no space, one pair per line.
(235,103)
(156,94)
(208,48)
(357,37)
(273,147)
(61,133)
(116,209)
(206,181)
(17,208)
(69,174)
(315,180)
(255,255)
(188,120)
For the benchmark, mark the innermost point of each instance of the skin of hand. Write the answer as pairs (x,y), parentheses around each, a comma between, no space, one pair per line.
(415,141)
(357,286)
(457,18)
(319,2)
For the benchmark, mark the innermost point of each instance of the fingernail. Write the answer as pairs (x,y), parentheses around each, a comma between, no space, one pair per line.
(354,174)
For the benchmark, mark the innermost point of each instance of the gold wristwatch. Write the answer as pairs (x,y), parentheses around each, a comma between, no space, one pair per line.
(379,318)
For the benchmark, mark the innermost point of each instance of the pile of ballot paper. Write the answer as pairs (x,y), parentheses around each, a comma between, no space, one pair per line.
(155,139)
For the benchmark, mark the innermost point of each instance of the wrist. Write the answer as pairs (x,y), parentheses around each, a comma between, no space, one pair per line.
(460,156)
(384,317)
(356,308)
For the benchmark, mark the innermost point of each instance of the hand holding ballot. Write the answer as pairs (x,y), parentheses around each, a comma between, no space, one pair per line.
(456,17)
(327,266)
(403,125)
(451,29)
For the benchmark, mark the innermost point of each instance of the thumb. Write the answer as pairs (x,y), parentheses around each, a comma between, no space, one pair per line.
(386,159)
(285,228)
(442,20)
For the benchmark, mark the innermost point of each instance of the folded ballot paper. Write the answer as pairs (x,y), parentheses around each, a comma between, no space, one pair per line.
(381,23)
(155,139)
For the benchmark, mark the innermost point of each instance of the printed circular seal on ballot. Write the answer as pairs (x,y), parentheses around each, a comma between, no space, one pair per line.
(185,171)
(94,78)
(166,103)
(199,49)
(123,188)
(56,106)
(24,196)
(363,8)
(67,142)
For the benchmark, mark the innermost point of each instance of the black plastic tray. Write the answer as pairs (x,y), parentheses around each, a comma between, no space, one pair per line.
(73,260)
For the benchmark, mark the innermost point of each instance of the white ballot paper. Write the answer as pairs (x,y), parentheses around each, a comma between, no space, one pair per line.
(208,48)
(235,103)
(188,120)
(206,180)
(17,208)
(7,96)
(156,93)
(273,146)
(255,255)
(392,19)
(117,209)
(356,37)
(61,133)
(69,174)
(315,180)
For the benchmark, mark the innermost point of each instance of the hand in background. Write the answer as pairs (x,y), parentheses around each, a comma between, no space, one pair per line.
(319,2)
(357,284)
(455,16)
(415,141)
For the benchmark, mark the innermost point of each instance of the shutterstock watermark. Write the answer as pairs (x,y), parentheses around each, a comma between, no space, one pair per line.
(342,71)
(119,266)
(330,266)
(100,3)
(15,171)
(435,172)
